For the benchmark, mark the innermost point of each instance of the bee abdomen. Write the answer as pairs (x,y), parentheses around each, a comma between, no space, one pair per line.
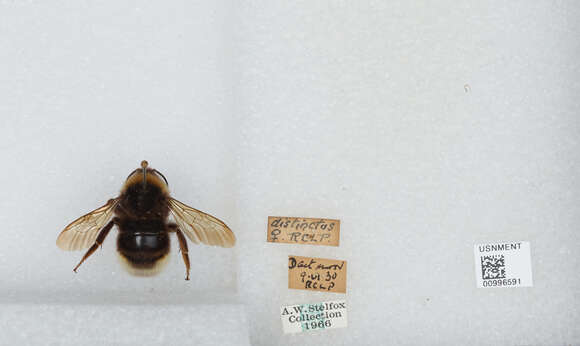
(146,268)
(143,254)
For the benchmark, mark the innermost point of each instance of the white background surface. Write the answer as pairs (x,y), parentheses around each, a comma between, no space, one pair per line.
(356,111)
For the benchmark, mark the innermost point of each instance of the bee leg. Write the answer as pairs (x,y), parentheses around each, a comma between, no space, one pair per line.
(183,247)
(100,239)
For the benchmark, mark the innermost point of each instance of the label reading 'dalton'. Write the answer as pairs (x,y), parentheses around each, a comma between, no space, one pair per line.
(503,265)
(316,274)
(306,317)
(300,230)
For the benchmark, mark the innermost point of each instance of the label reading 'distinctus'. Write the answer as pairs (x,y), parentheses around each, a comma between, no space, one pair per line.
(307,317)
(503,265)
(300,230)
(316,274)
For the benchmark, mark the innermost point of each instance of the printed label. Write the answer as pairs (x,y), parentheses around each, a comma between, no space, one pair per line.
(307,317)
(301,230)
(503,265)
(316,274)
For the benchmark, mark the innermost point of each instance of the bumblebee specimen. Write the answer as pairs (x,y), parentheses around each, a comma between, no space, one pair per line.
(141,214)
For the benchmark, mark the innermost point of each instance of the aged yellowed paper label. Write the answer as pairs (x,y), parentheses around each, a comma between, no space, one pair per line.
(301,230)
(317,274)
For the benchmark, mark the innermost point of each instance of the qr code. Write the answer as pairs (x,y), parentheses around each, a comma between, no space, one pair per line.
(493,267)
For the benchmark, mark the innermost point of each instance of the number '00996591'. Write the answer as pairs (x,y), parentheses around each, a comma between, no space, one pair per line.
(501,282)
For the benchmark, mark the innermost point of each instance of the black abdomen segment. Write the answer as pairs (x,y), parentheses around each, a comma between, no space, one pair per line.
(143,246)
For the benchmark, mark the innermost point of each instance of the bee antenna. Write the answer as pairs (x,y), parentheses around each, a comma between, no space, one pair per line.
(144,165)
(162,176)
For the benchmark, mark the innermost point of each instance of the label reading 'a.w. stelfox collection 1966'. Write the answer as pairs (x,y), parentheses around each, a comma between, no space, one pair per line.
(503,265)
(308,317)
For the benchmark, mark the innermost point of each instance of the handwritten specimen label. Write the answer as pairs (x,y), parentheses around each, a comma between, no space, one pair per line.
(301,230)
(307,317)
(316,274)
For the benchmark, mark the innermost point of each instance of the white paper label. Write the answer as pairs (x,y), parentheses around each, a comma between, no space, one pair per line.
(503,265)
(307,317)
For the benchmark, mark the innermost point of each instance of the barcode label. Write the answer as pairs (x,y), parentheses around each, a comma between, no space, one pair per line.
(503,265)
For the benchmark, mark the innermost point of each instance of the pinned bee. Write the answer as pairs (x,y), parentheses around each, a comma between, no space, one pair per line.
(141,214)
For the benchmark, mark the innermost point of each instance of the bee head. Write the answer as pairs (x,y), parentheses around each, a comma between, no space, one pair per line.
(145,176)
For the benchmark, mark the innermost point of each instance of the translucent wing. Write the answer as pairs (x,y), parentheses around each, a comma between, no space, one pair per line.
(82,232)
(201,227)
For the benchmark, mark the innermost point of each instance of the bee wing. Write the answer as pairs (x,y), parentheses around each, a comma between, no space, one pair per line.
(82,232)
(201,227)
